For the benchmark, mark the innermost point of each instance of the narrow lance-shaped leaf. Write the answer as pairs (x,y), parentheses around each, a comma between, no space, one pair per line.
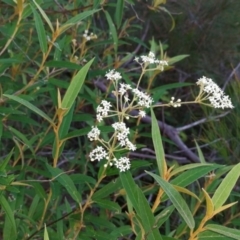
(9,213)
(42,37)
(224,189)
(229,232)
(176,199)
(158,147)
(141,206)
(76,19)
(75,86)
(65,181)
(113,31)
(200,154)
(30,106)
(4,162)
(119,12)
(209,205)
(44,15)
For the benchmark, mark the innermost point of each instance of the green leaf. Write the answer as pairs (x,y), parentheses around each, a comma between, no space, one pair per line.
(10,60)
(63,64)
(75,86)
(177,59)
(22,137)
(106,204)
(44,16)
(4,162)
(141,206)
(42,37)
(106,190)
(209,235)
(65,181)
(158,147)
(30,106)
(64,128)
(9,214)
(76,19)
(200,154)
(176,199)
(120,232)
(189,166)
(113,31)
(188,177)
(226,186)
(229,232)
(163,216)
(34,206)
(146,215)
(1,129)
(119,12)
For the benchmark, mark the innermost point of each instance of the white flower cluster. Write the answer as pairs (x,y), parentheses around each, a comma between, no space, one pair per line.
(103,109)
(150,59)
(143,99)
(121,132)
(113,75)
(94,134)
(98,153)
(215,94)
(119,139)
(122,163)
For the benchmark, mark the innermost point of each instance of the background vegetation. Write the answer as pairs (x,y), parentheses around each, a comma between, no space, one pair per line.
(51,81)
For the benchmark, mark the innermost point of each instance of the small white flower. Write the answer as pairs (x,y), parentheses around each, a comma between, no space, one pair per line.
(214,93)
(98,153)
(102,110)
(142,113)
(143,99)
(121,130)
(130,145)
(151,55)
(99,117)
(122,164)
(123,88)
(94,134)
(113,75)
(136,59)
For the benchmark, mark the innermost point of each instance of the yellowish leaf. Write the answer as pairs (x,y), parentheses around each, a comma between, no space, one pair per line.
(224,207)
(209,205)
(186,191)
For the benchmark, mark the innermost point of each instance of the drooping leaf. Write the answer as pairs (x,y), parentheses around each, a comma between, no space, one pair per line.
(30,106)
(176,199)
(65,181)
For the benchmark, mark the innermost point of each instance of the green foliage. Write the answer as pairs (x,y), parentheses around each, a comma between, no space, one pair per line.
(53,58)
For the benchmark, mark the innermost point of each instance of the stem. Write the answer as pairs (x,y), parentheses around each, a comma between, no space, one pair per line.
(157,200)
(45,209)
(14,32)
(88,203)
